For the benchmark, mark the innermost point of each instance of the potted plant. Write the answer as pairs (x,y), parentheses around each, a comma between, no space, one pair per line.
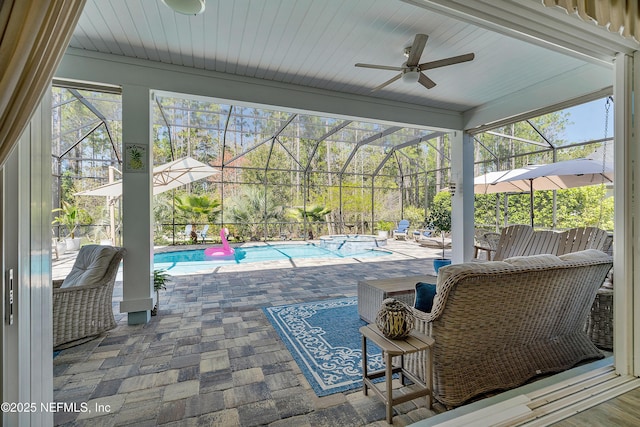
(69,216)
(384,227)
(61,247)
(160,280)
(439,219)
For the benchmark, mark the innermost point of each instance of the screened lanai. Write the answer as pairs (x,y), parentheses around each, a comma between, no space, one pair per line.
(363,172)
(285,174)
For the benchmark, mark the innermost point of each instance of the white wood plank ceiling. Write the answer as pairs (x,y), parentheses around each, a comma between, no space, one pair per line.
(315,43)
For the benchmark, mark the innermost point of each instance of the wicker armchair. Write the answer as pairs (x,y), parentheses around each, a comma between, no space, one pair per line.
(599,326)
(497,324)
(82,302)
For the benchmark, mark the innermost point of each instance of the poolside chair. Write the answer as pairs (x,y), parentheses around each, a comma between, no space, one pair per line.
(402,230)
(422,234)
(82,302)
(203,232)
(189,234)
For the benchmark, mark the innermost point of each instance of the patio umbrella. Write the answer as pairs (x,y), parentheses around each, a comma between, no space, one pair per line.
(552,176)
(165,177)
(502,182)
(568,174)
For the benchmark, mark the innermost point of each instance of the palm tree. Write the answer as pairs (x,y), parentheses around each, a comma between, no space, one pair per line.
(309,214)
(253,210)
(313,213)
(198,208)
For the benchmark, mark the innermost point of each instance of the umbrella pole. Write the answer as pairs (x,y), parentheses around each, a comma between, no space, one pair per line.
(531,199)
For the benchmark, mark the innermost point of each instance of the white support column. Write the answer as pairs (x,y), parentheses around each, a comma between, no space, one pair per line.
(136,201)
(626,238)
(462,206)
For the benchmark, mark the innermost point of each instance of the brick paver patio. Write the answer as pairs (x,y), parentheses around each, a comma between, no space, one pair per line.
(211,357)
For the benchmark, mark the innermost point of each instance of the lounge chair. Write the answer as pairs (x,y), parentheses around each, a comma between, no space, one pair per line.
(422,234)
(402,230)
(190,234)
(203,232)
(431,239)
(82,302)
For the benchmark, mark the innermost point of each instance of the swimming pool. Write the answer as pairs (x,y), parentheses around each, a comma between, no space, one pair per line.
(190,261)
(351,242)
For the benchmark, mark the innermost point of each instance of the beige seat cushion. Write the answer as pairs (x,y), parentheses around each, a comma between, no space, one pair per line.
(534,260)
(90,266)
(587,254)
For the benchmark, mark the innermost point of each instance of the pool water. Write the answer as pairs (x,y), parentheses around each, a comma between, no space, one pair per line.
(184,262)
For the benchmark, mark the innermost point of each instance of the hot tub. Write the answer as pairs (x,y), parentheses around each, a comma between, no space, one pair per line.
(350,243)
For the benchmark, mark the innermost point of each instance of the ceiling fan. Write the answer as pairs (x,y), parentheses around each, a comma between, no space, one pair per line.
(411,70)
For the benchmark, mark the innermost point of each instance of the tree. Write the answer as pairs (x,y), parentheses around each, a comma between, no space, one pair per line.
(198,209)
(313,213)
(252,210)
(439,215)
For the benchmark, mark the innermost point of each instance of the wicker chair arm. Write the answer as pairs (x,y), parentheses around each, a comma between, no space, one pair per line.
(77,288)
(57,283)
(424,317)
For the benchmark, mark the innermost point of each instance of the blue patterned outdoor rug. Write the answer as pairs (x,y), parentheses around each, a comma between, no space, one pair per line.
(325,341)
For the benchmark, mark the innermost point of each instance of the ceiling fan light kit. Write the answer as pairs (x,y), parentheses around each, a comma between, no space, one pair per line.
(186,7)
(411,71)
(410,75)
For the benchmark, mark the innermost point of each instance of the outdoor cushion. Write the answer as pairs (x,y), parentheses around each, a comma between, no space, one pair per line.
(90,266)
(587,254)
(425,292)
(533,260)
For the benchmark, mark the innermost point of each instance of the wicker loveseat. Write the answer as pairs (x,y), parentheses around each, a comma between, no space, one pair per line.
(82,302)
(499,323)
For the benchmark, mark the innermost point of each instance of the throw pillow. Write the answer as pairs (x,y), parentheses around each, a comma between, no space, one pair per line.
(425,292)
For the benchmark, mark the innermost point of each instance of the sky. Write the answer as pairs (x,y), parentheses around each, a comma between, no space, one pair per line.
(589,121)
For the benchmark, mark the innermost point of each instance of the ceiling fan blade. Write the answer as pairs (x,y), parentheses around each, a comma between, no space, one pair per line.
(426,81)
(379,67)
(419,42)
(388,82)
(448,61)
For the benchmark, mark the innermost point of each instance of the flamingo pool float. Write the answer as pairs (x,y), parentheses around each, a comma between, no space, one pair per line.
(224,252)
